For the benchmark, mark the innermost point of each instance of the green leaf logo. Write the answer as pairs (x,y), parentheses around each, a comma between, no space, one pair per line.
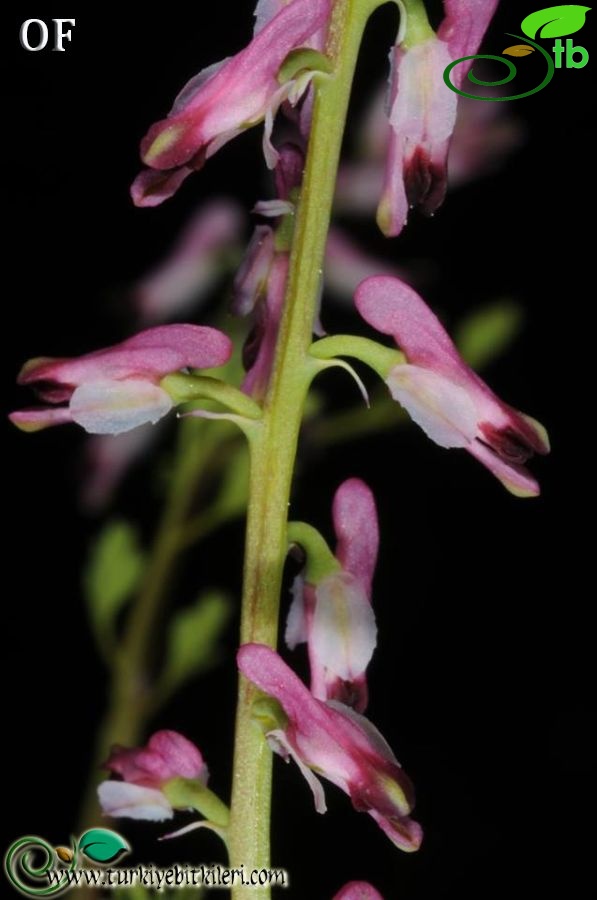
(102,845)
(555,21)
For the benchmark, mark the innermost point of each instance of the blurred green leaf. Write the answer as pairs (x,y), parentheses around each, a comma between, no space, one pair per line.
(113,571)
(192,641)
(233,495)
(486,333)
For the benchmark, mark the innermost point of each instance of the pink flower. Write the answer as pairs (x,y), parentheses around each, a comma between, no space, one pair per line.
(358,890)
(453,406)
(145,771)
(116,389)
(194,266)
(229,97)
(260,283)
(337,743)
(423,111)
(334,616)
(346,265)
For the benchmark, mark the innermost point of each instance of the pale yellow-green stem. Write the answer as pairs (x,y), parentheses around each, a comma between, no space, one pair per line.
(274,438)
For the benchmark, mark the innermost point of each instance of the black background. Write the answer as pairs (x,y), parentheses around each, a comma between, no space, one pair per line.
(480,682)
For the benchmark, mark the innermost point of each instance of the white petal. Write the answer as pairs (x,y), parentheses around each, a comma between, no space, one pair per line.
(111,407)
(132,801)
(281,745)
(296,623)
(344,633)
(443,409)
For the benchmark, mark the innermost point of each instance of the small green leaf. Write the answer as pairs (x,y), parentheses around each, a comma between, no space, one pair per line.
(102,845)
(192,640)
(113,572)
(486,333)
(555,21)
(518,50)
(303,59)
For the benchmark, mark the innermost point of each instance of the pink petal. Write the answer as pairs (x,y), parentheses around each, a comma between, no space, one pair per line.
(259,357)
(239,92)
(357,890)
(132,801)
(251,279)
(393,307)
(152,186)
(181,758)
(355,523)
(153,353)
(464,27)
(405,833)
(37,419)
(167,755)
(515,478)
(112,407)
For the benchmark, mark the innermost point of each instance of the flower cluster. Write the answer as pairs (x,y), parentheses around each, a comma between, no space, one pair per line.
(115,390)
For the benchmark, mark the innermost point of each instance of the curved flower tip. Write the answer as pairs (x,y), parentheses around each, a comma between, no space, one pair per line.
(114,390)
(355,522)
(144,772)
(231,96)
(334,741)
(189,273)
(442,394)
(167,755)
(358,890)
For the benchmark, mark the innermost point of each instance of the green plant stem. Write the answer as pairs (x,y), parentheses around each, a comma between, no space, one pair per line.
(274,442)
(130,695)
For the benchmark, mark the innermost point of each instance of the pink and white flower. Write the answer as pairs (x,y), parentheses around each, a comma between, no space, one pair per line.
(334,617)
(113,390)
(337,743)
(443,395)
(423,110)
(231,96)
(145,771)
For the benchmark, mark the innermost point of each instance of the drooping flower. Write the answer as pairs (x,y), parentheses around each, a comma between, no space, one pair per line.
(358,890)
(113,390)
(334,615)
(191,270)
(336,742)
(442,394)
(423,109)
(144,772)
(229,97)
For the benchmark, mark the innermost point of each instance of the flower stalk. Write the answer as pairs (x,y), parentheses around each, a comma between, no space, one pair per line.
(274,441)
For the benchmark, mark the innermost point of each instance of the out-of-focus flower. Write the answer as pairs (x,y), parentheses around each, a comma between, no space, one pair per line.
(346,265)
(145,771)
(114,390)
(334,615)
(337,743)
(229,97)
(108,458)
(187,275)
(442,394)
(423,110)
(358,890)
